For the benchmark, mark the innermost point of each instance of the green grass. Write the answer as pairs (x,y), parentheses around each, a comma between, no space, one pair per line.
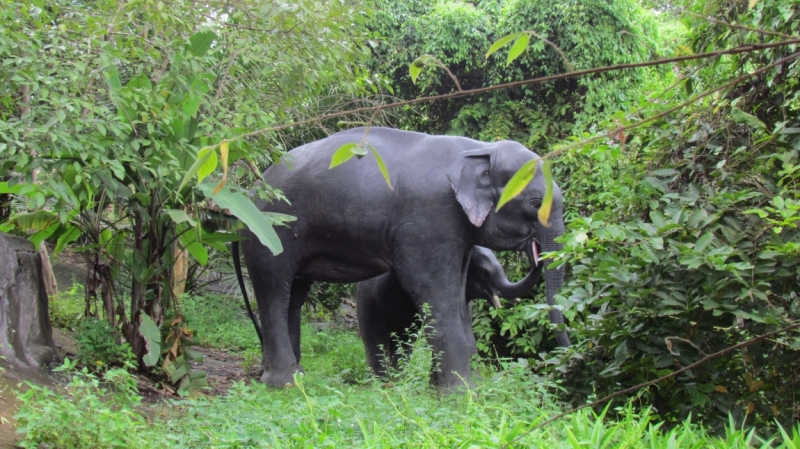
(337,404)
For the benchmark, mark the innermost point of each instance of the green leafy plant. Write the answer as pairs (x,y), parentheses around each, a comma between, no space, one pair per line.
(84,414)
(177,356)
(98,346)
(68,308)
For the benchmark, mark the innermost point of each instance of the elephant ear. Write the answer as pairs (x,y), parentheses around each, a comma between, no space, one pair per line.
(470,178)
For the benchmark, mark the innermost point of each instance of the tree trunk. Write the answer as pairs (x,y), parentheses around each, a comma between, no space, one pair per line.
(180,270)
(47,271)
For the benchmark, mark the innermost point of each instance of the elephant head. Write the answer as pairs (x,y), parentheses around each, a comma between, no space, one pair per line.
(486,278)
(478,178)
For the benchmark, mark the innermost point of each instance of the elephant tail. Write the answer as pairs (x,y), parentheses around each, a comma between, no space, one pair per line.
(237,266)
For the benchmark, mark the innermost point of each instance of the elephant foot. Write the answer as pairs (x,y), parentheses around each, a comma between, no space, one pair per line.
(280,379)
(451,384)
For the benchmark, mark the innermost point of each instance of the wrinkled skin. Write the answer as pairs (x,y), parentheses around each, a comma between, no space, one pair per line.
(351,227)
(386,312)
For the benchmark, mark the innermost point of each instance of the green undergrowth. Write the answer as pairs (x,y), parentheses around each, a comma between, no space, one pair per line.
(323,412)
(337,404)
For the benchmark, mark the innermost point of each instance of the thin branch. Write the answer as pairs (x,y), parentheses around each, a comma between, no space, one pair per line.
(740,27)
(616,131)
(736,50)
(660,379)
(668,341)
(555,47)
(242,27)
(225,77)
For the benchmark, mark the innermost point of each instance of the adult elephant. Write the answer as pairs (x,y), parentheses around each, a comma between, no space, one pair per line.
(386,313)
(351,227)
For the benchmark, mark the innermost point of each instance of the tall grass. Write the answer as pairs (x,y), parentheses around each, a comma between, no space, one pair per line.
(337,404)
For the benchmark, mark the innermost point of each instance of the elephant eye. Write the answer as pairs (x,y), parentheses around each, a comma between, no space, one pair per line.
(536,203)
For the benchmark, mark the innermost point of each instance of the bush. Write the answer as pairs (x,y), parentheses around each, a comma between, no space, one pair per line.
(67,308)
(84,415)
(98,346)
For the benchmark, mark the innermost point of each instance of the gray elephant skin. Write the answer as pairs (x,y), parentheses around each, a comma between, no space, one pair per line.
(351,227)
(386,313)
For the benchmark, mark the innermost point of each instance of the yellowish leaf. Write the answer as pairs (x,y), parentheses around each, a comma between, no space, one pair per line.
(547,202)
(752,4)
(775,410)
(223,151)
(756,385)
(751,407)
(720,389)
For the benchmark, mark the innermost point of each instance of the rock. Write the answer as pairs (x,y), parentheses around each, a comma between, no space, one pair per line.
(26,337)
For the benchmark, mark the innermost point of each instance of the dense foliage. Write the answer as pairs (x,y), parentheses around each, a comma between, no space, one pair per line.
(683,240)
(458,34)
(682,235)
(107,110)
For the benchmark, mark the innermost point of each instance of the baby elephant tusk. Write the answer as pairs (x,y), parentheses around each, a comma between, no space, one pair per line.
(496,302)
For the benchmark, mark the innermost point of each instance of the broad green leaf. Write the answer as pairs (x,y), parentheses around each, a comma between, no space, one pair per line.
(4,188)
(179,216)
(140,81)
(244,209)
(45,233)
(381,166)
(195,248)
(179,373)
(278,219)
(200,381)
(518,182)
(343,154)
(112,79)
(148,328)
(35,221)
(740,116)
(415,68)
(153,353)
(190,105)
(665,172)
(200,42)
(67,237)
(206,160)
(499,43)
(190,354)
(208,166)
(547,202)
(519,46)
(703,241)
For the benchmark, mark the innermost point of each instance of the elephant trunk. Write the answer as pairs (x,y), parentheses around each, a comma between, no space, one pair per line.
(509,289)
(554,278)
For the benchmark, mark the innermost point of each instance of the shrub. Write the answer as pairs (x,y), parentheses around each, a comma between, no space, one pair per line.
(67,308)
(83,415)
(98,346)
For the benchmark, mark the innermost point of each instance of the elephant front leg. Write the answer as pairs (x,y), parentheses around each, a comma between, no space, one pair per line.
(272,292)
(439,283)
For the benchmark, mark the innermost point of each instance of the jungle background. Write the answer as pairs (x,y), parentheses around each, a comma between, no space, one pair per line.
(132,133)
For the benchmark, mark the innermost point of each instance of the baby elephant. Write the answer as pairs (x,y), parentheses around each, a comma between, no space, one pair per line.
(384,308)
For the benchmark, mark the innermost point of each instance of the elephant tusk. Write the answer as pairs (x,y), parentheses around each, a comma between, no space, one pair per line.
(535,253)
(496,302)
